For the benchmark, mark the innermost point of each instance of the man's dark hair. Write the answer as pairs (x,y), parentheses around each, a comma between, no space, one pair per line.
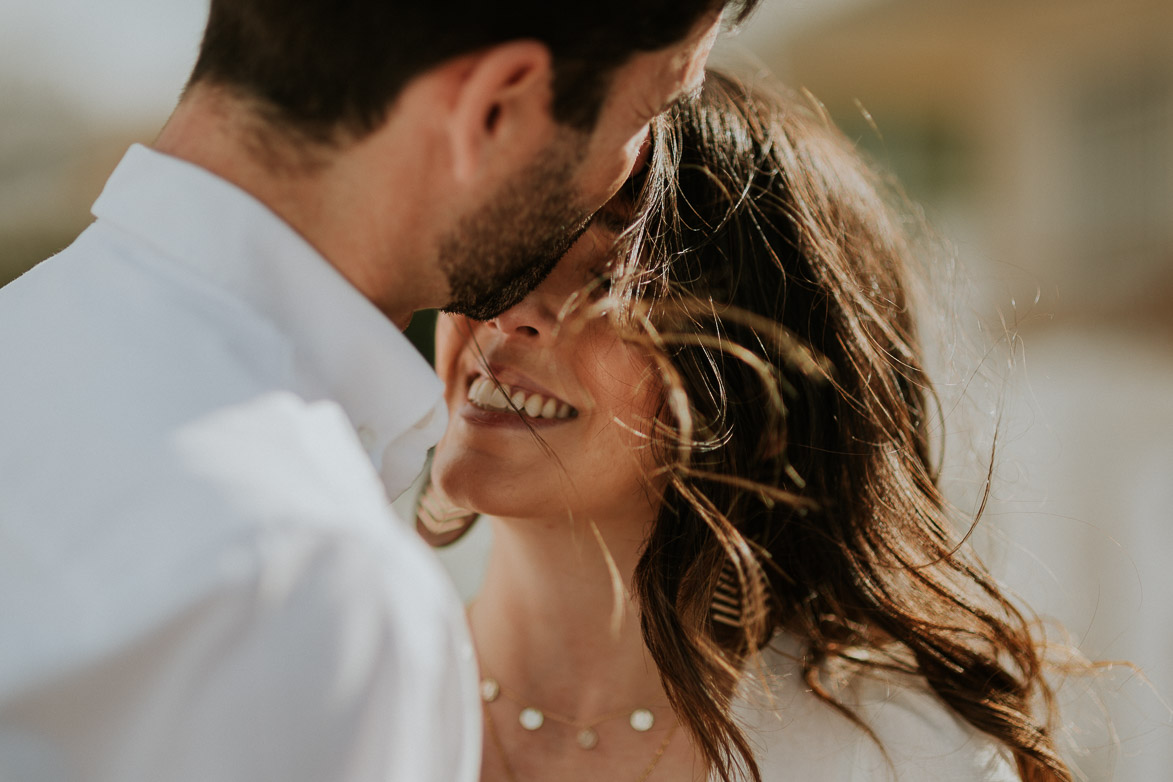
(322,67)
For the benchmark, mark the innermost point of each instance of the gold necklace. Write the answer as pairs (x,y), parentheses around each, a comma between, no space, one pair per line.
(512,775)
(531,718)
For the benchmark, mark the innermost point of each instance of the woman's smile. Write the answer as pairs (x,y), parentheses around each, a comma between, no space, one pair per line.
(487,395)
(564,373)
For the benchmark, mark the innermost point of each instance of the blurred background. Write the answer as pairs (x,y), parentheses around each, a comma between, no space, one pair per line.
(1037,135)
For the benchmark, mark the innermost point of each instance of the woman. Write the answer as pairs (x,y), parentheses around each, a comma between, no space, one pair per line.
(719,549)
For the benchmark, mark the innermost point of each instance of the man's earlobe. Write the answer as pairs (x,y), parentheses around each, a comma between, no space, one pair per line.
(501,107)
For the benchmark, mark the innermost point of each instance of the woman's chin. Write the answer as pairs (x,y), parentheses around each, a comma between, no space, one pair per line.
(484,494)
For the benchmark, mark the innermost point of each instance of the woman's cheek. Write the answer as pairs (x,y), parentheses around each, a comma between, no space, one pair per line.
(451,336)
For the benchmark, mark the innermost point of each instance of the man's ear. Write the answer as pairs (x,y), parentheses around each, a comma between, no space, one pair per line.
(501,113)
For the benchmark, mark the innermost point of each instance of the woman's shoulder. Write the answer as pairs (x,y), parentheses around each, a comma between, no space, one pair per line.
(797,735)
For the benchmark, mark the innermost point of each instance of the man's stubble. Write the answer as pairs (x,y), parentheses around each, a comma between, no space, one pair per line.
(499,254)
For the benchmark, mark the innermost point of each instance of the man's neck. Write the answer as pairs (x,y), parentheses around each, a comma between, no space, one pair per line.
(355,217)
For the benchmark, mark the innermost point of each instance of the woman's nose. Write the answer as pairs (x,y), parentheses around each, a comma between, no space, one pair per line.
(532,317)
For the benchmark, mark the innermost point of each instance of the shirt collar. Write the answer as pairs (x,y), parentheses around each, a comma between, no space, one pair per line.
(348,350)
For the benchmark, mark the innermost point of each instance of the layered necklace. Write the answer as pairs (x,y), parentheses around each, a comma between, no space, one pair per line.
(531,718)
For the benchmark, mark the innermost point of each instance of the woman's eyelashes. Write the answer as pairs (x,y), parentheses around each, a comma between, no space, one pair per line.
(601,281)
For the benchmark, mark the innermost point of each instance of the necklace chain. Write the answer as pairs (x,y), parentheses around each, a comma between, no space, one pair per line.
(512,775)
(641,719)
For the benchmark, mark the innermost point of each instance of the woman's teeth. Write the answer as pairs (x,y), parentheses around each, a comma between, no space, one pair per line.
(485,394)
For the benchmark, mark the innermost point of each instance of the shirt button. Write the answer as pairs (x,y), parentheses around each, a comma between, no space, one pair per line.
(366,437)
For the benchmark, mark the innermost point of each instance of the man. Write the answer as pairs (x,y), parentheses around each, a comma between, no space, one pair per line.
(206,402)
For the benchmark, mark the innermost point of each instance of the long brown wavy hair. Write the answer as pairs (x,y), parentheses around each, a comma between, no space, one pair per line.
(768,275)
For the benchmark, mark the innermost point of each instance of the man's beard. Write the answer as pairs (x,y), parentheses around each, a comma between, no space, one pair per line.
(497,255)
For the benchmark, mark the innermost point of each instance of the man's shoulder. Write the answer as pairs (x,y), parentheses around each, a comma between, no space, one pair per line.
(302,629)
(139,405)
(267,506)
(280,459)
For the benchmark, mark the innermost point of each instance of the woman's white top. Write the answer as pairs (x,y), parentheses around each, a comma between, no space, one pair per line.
(796,736)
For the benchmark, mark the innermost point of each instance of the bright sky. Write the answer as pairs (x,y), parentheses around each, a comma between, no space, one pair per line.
(120,60)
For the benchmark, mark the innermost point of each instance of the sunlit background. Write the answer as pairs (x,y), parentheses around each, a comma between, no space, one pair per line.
(1038,135)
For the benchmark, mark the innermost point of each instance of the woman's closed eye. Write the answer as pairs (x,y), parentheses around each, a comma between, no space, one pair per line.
(601,281)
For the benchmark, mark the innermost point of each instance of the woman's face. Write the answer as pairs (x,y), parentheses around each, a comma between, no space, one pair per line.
(586,392)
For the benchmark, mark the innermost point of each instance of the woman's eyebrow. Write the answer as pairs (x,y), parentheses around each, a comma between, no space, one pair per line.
(611,220)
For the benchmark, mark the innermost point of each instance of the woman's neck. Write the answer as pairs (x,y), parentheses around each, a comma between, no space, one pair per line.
(554,623)
(549,629)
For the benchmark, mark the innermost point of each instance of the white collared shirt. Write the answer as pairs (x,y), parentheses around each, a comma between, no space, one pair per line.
(200,575)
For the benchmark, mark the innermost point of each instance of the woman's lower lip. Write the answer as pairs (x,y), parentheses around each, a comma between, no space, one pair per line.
(506,418)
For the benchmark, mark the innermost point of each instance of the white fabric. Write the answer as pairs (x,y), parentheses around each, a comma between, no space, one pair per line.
(200,576)
(797,736)
(1080,527)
